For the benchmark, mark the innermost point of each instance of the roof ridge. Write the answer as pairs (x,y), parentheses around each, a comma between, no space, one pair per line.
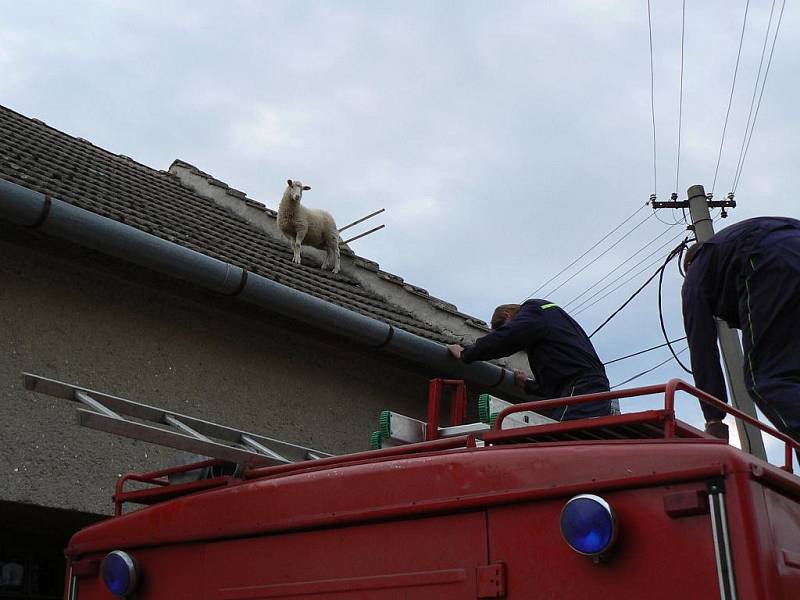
(123,157)
(159,202)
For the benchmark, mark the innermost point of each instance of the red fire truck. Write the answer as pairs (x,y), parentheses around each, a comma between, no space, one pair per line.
(639,505)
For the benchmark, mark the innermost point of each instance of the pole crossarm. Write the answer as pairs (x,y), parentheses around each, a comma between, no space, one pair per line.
(685,204)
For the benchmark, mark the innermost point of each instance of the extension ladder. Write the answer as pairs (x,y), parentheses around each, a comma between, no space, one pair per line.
(159,426)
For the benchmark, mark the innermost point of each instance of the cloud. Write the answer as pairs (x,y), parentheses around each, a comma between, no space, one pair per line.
(504,139)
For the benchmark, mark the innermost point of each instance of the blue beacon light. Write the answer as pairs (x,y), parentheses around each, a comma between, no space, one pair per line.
(589,525)
(120,573)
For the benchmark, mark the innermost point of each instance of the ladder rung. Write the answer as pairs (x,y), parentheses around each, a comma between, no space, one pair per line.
(170,420)
(262,449)
(97,406)
(179,441)
(208,435)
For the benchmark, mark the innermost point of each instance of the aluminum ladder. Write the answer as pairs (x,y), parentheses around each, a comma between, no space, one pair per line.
(166,428)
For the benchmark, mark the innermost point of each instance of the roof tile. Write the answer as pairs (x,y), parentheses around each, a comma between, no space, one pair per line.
(76,171)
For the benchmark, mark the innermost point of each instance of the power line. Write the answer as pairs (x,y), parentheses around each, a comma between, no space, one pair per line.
(642,351)
(584,308)
(753,99)
(634,255)
(666,222)
(650,370)
(599,256)
(680,101)
(600,241)
(660,271)
(624,304)
(730,100)
(587,303)
(761,94)
(652,99)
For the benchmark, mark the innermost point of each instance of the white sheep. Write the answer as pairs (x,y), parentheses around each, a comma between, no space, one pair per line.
(309,226)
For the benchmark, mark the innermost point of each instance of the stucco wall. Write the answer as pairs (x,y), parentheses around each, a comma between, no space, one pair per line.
(79,317)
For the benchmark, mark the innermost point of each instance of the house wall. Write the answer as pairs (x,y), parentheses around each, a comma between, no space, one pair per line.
(80,317)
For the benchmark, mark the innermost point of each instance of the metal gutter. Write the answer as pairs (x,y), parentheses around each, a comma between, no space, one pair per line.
(55,217)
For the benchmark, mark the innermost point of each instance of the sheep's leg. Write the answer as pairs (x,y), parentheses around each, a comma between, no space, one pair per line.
(298,241)
(336,263)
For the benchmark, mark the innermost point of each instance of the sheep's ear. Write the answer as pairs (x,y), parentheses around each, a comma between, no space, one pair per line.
(289,181)
(306,188)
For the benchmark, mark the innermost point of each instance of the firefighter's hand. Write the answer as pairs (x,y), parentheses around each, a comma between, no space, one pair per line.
(455,350)
(718,429)
(520,378)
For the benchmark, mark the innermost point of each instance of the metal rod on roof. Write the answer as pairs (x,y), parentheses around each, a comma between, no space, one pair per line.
(363,234)
(361,220)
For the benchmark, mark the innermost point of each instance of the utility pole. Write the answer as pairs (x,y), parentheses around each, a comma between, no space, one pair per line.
(698,205)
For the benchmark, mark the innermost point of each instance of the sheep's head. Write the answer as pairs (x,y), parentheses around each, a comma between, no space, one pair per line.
(296,189)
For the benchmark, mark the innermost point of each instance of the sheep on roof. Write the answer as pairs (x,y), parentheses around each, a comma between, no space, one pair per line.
(309,226)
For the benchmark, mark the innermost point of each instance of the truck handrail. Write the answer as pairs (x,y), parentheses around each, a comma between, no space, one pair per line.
(668,389)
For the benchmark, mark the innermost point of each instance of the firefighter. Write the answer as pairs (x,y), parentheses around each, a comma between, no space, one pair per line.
(561,357)
(748,274)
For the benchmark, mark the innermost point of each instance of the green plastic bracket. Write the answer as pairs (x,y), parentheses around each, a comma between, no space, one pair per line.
(385,424)
(483,408)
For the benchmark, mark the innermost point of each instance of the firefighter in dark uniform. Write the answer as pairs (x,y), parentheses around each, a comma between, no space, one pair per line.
(748,274)
(562,359)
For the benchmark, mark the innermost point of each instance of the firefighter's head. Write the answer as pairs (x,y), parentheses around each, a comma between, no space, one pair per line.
(504,313)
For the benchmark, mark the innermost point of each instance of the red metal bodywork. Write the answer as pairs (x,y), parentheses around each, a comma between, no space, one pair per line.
(449,519)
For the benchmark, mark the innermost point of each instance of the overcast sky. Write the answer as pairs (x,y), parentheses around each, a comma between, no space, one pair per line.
(503,138)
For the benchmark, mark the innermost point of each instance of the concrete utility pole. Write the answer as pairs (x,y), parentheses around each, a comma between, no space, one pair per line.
(733,360)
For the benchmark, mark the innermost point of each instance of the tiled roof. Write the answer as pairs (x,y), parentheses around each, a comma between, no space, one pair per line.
(74,170)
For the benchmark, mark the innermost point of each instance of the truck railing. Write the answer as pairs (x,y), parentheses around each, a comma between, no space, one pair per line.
(162,489)
(670,427)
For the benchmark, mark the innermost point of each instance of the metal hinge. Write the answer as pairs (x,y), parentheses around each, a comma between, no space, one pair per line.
(492,581)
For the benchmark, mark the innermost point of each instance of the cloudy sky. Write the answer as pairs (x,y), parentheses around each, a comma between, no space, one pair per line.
(503,138)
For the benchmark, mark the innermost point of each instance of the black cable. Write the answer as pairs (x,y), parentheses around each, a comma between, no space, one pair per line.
(658,271)
(634,255)
(616,312)
(652,98)
(760,95)
(599,256)
(587,304)
(623,284)
(642,351)
(753,99)
(600,241)
(730,100)
(584,307)
(650,370)
(661,312)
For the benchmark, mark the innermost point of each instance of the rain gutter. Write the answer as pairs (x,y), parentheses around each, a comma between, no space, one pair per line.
(55,217)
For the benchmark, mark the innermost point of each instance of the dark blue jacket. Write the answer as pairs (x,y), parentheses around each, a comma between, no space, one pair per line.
(714,287)
(559,351)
